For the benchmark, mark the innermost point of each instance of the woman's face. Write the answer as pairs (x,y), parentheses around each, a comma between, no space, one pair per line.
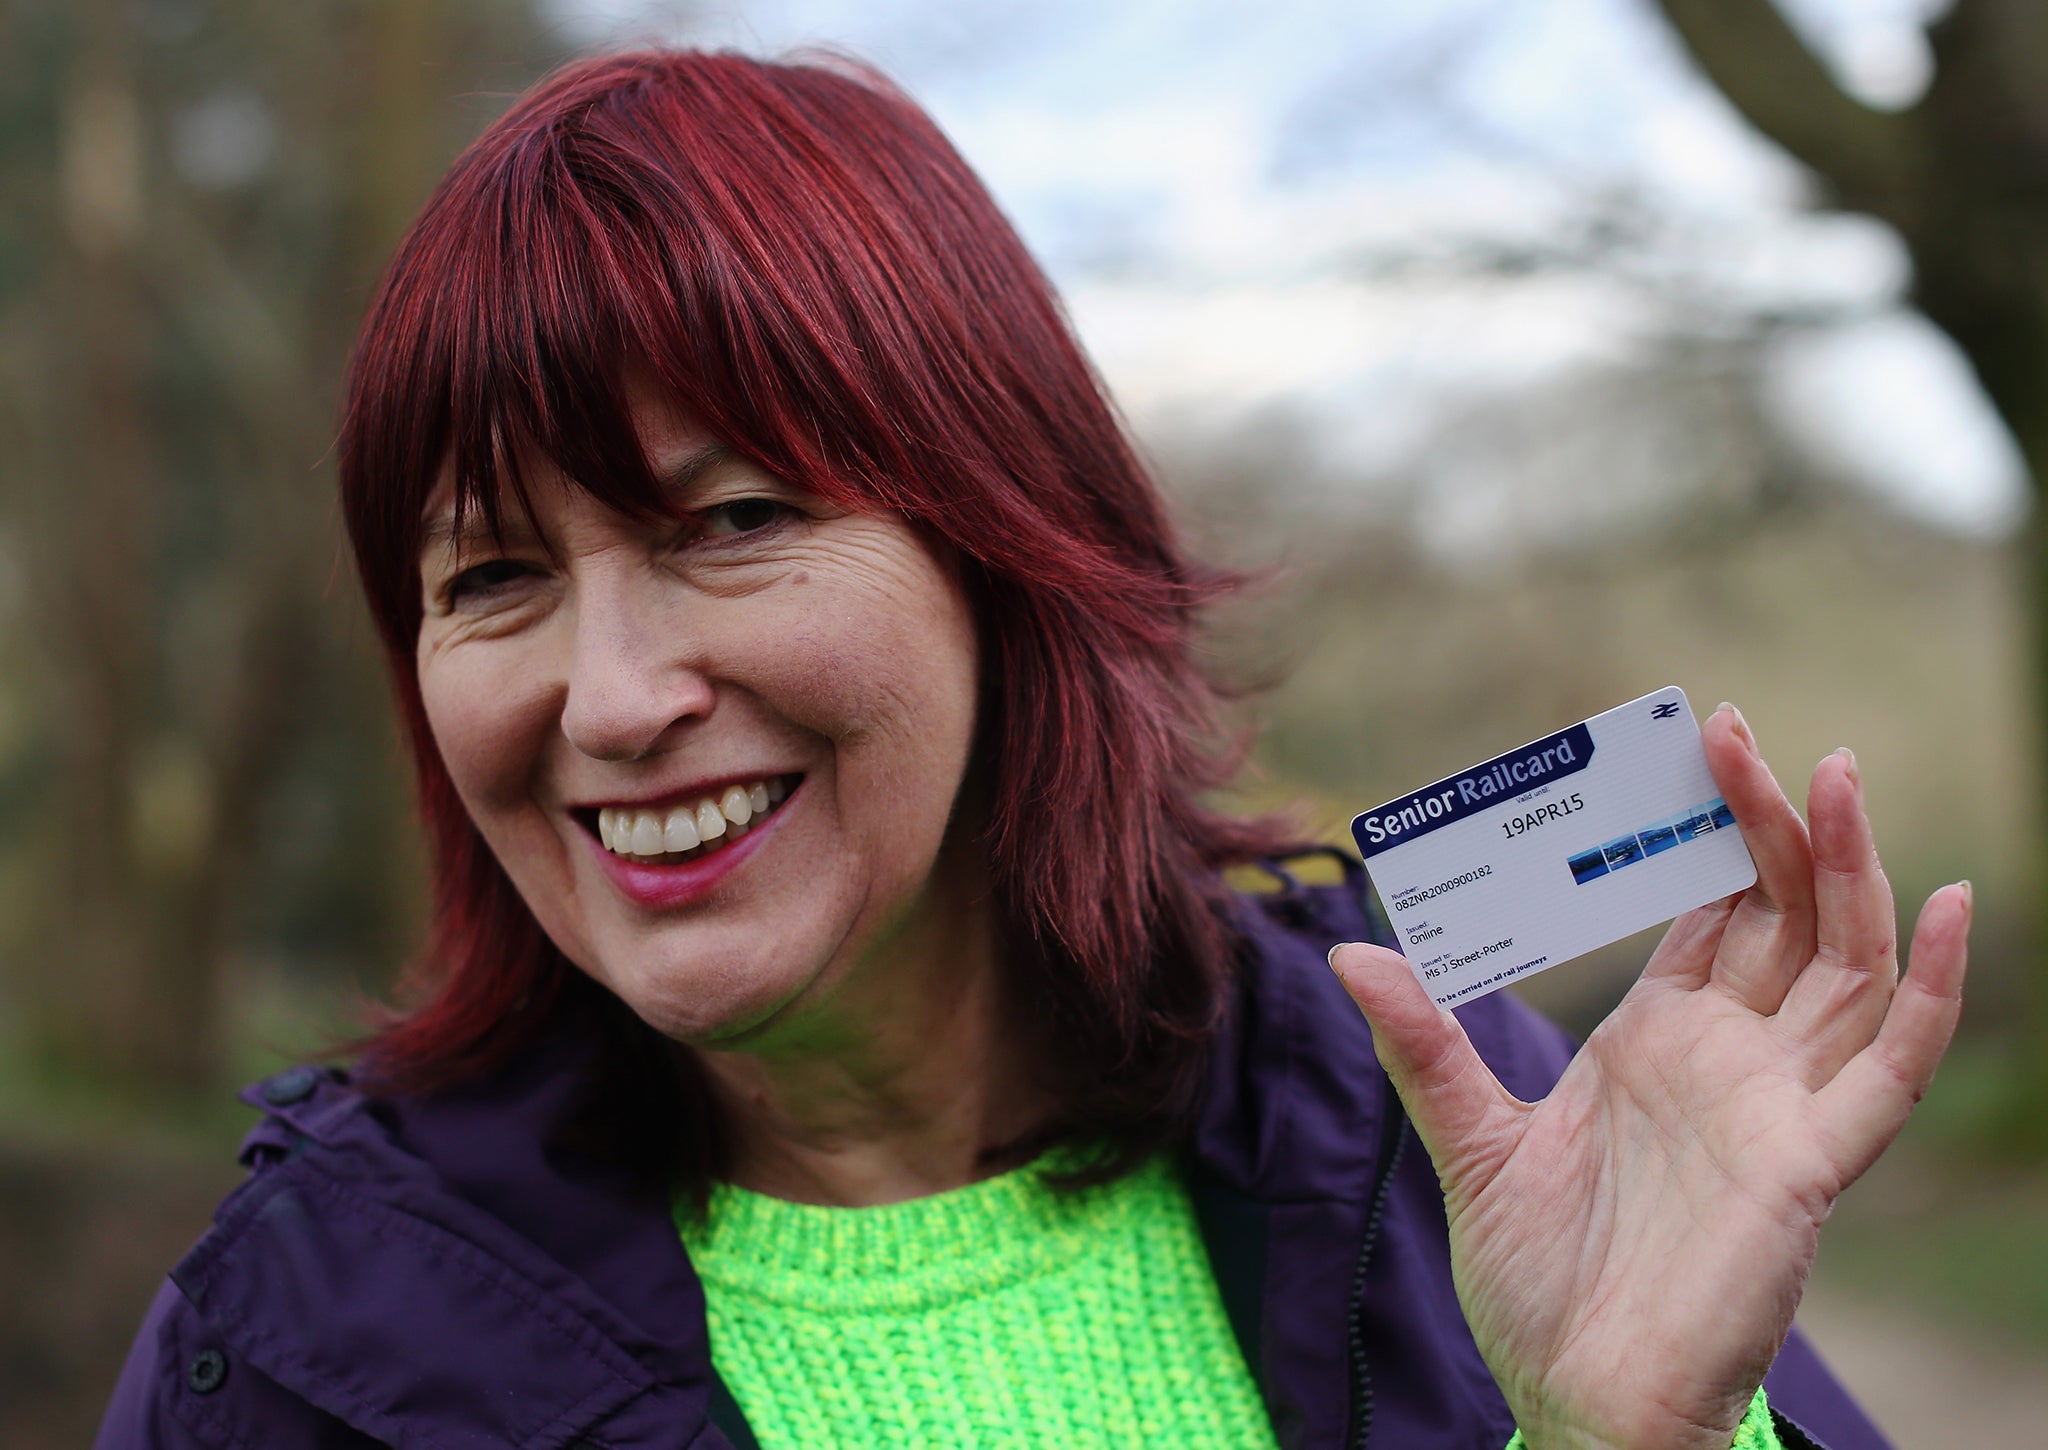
(657,685)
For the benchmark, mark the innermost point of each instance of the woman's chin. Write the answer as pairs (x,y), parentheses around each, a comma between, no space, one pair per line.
(708,1009)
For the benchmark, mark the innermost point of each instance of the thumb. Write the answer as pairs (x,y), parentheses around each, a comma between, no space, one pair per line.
(1464,1116)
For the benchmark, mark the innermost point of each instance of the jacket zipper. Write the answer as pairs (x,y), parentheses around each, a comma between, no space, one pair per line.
(1361,1372)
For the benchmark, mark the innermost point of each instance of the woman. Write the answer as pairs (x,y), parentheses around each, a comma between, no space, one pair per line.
(799,672)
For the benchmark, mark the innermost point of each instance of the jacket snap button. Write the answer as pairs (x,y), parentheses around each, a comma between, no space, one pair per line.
(208,1368)
(293,1085)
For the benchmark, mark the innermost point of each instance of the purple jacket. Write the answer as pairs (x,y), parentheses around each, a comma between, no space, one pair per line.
(440,1272)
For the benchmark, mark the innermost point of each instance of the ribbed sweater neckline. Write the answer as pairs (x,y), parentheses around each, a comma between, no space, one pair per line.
(922,1254)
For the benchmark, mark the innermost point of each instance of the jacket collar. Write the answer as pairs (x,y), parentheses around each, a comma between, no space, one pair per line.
(1296,1133)
(1295,1103)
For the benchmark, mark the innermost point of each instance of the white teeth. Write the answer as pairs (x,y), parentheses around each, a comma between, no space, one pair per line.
(628,832)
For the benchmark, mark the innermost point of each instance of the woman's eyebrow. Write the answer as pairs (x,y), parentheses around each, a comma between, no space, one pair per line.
(679,474)
(676,477)
(475,529)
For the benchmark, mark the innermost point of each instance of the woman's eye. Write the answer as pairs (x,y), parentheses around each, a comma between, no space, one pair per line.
(743,516)
(485,578)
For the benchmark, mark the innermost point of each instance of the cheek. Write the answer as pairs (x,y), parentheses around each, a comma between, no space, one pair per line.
(485,728)
(891,660)
(890,684)
(913,727)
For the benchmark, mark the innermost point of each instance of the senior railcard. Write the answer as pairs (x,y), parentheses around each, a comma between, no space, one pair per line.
(1552,849)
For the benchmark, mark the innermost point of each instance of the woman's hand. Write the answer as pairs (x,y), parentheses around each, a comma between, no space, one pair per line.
(1629,1250)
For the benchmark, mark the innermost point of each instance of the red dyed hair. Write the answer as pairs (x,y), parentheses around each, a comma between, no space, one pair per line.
(801,260)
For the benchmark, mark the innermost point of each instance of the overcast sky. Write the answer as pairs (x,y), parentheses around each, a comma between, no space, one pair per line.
(1203,178)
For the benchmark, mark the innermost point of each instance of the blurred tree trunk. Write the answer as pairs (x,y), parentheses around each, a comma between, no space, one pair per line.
(174,690)
(1963,176)
(95,513)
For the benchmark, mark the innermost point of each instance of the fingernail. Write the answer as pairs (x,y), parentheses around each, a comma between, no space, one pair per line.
(1969,897)
(1849,759)
(1741,725)
(1331,958)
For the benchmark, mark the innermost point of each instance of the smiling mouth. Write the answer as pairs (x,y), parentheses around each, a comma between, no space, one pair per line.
(687,830)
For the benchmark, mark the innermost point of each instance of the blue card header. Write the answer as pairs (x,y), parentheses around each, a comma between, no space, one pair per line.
(1500,779)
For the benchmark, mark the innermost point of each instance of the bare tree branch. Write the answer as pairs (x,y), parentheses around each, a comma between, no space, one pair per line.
(1874,159)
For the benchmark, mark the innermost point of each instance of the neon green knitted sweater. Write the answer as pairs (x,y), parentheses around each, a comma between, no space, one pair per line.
(1000,1314)
(1003,1314)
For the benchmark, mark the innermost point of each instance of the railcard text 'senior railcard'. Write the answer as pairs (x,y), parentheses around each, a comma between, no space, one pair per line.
(1550,850)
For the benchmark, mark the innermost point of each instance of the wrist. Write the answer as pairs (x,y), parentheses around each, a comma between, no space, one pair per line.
(1754,1431)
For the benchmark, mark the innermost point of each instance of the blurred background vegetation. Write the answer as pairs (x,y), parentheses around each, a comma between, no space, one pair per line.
(206,853)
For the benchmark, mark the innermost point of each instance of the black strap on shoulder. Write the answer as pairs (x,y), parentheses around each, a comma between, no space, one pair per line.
(1236,1230)
(726,1415)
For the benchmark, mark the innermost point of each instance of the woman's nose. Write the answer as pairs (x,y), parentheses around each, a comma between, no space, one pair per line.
(631,682)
